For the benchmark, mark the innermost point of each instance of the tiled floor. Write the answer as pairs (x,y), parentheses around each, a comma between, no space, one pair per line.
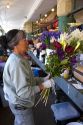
(42,115)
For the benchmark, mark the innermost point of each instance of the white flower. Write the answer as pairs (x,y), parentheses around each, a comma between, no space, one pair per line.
(52,39)
(63,37)
(77,34)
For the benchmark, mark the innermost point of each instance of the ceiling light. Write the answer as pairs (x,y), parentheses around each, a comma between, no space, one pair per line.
(52,9)
(45,15)
(37,21)
(8,6)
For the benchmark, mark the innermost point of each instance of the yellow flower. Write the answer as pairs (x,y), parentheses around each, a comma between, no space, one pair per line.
(63,43)
(77,46)
(63,40)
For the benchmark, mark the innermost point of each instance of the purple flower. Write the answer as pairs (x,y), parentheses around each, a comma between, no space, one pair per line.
(73,60)
(60,53)
(46,35)
(43,46)
(54,34)
(52,53)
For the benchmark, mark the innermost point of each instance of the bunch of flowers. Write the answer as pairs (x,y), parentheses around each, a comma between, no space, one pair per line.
(67,47)
(46,36)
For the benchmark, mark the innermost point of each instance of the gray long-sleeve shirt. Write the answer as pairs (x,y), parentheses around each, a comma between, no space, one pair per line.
(20,86)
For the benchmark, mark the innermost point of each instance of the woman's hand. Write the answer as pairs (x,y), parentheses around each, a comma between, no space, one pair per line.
(41,87)
(48,83)
(47,77)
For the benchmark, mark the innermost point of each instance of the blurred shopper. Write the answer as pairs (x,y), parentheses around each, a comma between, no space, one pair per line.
(37,44)
(3,46)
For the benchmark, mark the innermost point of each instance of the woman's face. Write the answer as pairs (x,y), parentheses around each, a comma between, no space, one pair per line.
(22,46)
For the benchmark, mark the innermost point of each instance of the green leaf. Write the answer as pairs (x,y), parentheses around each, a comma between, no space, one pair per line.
(64,62)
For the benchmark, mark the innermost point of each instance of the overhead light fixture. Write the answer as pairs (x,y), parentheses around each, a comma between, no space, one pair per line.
(37,21)
(8,5)
(45,15)
(52,9)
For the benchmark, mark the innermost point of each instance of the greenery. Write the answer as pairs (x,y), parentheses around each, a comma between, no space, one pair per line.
(55,66)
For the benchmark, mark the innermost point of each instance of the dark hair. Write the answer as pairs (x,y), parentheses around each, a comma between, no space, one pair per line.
(3,42)
(10,34)
(13,36)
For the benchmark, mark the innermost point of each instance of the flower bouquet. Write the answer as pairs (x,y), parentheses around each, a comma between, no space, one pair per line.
(61,60)
(67,47)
